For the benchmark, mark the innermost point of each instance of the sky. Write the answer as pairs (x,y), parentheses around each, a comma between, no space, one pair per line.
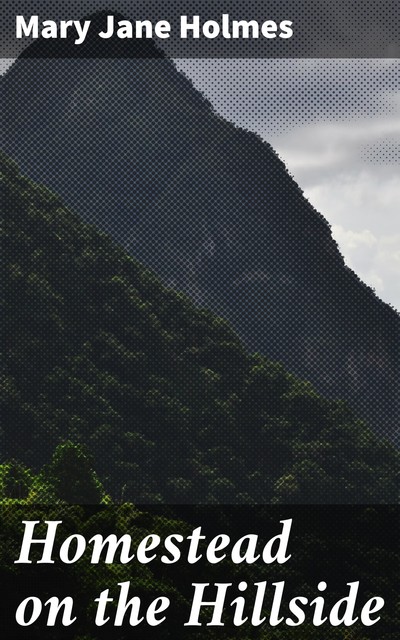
(336,125)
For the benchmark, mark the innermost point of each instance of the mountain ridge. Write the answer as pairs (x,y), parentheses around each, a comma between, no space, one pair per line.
(163,394)
(133,147)
(93,46)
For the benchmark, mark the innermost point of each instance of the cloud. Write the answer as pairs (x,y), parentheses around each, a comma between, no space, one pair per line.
(335,144)
(351,240)
(336,125)
(274,96)
(349,171)
(363,208)
(375,259)
(356,197)
(5,63)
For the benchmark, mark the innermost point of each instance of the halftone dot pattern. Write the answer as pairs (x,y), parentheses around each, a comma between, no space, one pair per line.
(350,541)
(384,152)
(288,93)
(131,147)
(360,29)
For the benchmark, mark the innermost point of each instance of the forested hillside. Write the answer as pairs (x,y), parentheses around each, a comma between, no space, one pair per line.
(130,145)
(162,393)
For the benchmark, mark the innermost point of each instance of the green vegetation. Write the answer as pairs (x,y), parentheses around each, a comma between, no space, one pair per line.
(68,479)
(208,206)
(161,393)
(85,581)
(120,390)
(337,544)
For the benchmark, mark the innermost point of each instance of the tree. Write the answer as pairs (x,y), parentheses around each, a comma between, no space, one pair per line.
(15,480)
(71,477)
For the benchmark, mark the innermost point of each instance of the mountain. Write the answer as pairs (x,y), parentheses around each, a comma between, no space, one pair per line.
(161,392)
(130,145)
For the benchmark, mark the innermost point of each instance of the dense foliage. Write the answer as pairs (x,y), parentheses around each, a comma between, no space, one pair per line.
(335,544)
(162,393)
(360,557)
(132,146)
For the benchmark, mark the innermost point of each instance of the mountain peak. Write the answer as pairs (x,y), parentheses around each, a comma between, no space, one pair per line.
(93,46)
(132,146)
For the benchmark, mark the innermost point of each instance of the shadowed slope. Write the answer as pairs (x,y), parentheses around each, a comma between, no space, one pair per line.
(162,392)
(131,146)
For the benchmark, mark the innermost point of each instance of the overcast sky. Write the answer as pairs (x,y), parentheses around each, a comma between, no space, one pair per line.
(336,124)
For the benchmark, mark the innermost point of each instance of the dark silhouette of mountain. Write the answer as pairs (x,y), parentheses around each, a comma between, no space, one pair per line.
(134,148)
(163,394)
